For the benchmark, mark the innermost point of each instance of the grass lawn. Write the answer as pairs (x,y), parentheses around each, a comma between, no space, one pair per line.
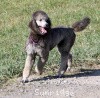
(15,16)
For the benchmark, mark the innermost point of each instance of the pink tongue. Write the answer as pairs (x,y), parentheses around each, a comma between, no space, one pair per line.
(43,30)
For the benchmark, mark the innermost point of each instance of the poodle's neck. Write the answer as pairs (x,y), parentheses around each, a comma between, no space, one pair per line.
(34,37)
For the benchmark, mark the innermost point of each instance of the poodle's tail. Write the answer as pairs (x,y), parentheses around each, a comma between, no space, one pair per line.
(81,25)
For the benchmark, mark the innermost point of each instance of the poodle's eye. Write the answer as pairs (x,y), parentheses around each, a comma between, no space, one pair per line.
(40,19)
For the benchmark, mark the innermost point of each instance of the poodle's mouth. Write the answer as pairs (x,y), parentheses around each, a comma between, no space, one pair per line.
(42,30)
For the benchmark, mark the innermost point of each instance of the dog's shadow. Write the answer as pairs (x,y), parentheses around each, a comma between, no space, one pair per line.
(82,73)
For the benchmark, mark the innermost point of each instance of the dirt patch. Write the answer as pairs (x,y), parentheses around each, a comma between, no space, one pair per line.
(84,84)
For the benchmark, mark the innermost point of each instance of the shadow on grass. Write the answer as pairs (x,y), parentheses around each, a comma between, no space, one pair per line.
(82,73)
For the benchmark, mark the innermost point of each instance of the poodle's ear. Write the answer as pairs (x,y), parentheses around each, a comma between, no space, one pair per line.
(49,22)
(31,24)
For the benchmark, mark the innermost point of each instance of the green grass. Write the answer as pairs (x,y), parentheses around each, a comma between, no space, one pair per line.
(15,16)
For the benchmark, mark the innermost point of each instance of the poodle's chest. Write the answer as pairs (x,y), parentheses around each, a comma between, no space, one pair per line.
(32,48)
